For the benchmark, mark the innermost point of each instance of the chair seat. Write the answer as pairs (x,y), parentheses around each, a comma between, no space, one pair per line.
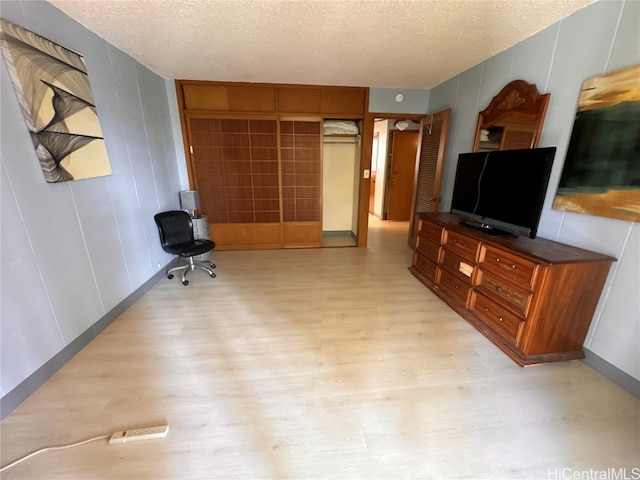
(190,250)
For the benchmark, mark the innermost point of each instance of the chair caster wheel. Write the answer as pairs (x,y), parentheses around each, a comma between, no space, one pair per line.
(185,283)
(213,265)
(170,276)
(212,275)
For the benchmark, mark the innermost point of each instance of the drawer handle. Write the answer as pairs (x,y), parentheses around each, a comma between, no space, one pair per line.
(513,265)
(455,286)
(499,289)
(486,309)
(500,319)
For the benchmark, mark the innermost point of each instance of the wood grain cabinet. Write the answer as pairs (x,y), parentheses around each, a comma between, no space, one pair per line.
(533,298)
(254,152)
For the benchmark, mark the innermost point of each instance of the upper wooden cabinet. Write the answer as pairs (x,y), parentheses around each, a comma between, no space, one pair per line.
(228,98)
(349,102)
(343,100)
(299,99)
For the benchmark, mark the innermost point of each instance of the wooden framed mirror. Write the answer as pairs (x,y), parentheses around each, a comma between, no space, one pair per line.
(513,118)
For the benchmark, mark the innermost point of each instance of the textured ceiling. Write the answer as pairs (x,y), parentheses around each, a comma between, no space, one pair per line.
(374,43)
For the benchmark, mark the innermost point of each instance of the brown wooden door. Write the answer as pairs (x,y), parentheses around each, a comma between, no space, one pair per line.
(404,146)
(432,146)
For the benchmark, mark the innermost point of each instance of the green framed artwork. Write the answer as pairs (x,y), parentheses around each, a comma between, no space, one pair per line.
(601,173)
(56,100)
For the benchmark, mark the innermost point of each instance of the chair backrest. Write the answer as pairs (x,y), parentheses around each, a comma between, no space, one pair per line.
(175,228)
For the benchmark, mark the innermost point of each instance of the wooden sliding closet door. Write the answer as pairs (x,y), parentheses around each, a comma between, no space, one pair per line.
(259,180)
(236,173)
(301,142)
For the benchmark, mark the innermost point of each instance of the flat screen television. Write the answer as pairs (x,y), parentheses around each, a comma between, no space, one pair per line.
(502,192)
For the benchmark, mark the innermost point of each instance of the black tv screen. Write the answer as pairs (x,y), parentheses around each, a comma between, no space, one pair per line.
(502,192)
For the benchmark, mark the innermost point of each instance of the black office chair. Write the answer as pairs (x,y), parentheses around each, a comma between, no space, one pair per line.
(176,236)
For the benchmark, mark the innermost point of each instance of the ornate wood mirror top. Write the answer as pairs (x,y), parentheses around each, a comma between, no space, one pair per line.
(513,118)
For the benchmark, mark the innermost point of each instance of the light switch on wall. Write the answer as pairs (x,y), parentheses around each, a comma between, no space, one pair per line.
(366,174)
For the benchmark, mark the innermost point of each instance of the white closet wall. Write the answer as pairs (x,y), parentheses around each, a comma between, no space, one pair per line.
(338,179)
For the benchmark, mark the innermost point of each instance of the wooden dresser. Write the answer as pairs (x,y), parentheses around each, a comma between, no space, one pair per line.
(533,298)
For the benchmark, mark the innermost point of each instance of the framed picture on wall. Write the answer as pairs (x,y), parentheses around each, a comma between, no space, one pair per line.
(57,103)
(601,173)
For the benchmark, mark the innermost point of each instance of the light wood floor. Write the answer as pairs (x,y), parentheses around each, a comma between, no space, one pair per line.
(330,363)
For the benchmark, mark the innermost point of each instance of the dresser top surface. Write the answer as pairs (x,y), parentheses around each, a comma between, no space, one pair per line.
(542,249)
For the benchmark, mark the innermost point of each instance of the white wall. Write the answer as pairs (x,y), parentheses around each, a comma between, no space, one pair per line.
(600,38)
(338,171)
(383,100)
(355,188)
(73,251)
(382,129)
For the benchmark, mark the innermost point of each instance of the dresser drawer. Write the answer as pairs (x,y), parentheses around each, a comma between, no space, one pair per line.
(501,290)
(499,319)
(464,246)
(457,266)
(428,249)
(432,231)
(453,286)
(516,269)
(424,266)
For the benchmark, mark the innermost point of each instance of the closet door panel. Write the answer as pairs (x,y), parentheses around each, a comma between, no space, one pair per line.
(236,169)
(301,168)
(252,172)
(248,236)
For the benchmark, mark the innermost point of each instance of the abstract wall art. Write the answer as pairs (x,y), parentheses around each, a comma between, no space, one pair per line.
(601,173)
(52,86)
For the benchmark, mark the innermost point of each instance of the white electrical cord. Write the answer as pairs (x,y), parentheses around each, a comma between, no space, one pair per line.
(46,449)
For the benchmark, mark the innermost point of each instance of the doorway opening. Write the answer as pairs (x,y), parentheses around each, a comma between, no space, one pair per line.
(341,159)
(393,159)
(407,157)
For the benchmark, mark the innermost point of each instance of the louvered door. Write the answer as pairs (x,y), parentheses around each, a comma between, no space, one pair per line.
(432,144)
